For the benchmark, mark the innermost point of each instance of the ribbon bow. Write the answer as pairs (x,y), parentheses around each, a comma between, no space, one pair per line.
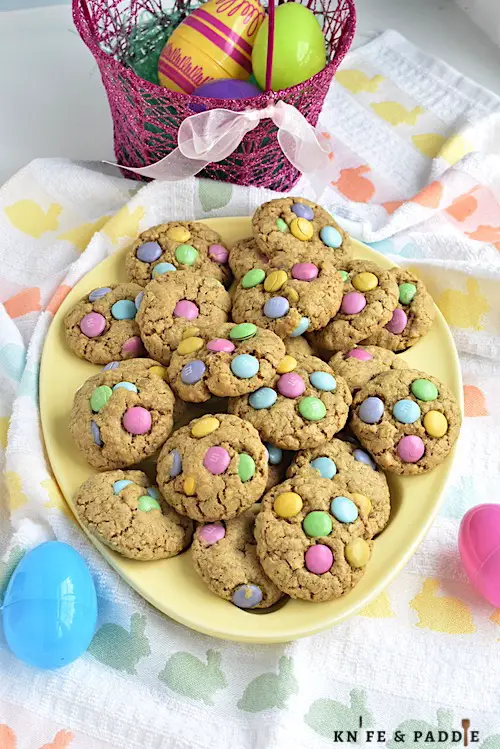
(213,135)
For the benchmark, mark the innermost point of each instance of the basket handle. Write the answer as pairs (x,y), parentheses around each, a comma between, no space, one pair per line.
(270,45)
(86,13)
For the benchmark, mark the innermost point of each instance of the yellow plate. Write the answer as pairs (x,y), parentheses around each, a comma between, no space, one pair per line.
(171,585)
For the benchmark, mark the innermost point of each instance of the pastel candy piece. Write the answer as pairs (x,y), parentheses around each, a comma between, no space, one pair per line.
(190,345)
(410,448)
(406,411)
(216,460)
(424,390)
(186,254)
(305,271)
(357,552)
(318,559)
(133,346)
(352,303)
(204,426)
(98,293)
(281,225)
(312,409)
(153,491)
(407,293)
(253,278)
(100,396)
(301,327)
(218,254)
(435,423)
(138,299)
(330,236)
(147,503)
(288,504)
(111,365)
(344,509)
(344,275)
(193,372)
(189,486)
(303,211)
(246,467)
(175,464)
(275,280)
(124,309)
(186,309)
(365,281)
(148,252)
(178,234)
(398,321)
(371,410)
(92,324)
(276,307)
(360,353)
(96,434)
(220,345)
(302,229)
(125,386)
(287,364)
(190,332)
(158,371)
(291,295)
(211,533)
(362,457)
(119,485)
(247,596)
(317,523)
(136,420)
(364,503)
(243,331)
(275,454)
(245,366)
(162,268)
(262,398)
(291,385)
(325,466)
(323,381)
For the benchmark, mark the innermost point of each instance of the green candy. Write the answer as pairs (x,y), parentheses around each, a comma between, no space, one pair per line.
(406,292)
(253,278)
(246,467)
(100,397)
(344,274)
(312,409)
(243,331)
(424,390)
(282,225)
(317,523)
(186,254)
(147,503)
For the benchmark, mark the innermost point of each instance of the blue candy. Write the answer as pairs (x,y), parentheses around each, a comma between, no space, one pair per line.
(119,485)
(245,366)
(275,454)
(138,299)
(98,293)
(126,386)
(325,466)
(176,466)
(125,309)
(263,398)
(154,492)
(162,268)
(301,327)
(406,411)
(331,237)
(111,365)
(344,509)
(363,457)
(371,410)
(323,381)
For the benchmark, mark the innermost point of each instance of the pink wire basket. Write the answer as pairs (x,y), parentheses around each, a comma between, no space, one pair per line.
(146,117)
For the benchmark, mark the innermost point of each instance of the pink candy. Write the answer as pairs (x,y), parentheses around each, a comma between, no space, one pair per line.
(291,385)
(218,253)
(133,346)
(352,303)
(398,321)
(305,271)
(318,559)
(221,344)
(410,448)
(360,353)
(211,533)
(186,309)
(136,420)
(216,460)
(92,324)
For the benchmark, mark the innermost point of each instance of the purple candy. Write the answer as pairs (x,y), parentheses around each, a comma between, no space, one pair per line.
(218,254)
(98,293)
(138,299)
(193,372)
(176,466)
(96,434)
(371,410)
(398,321)
(275,307)
(363,457)
(303,211)
(148,252)
(111,365)
(352,303)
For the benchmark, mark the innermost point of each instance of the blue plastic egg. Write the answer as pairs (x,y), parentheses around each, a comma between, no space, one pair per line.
(50,607)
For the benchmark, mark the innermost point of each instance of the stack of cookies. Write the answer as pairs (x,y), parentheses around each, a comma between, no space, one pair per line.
(231,397)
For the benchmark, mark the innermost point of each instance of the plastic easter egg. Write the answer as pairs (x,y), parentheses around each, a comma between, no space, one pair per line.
(299,47)
(228,88)
(50,607)
(479,546)
(215,41)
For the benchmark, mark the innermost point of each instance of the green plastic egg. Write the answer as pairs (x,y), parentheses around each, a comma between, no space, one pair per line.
(299,47)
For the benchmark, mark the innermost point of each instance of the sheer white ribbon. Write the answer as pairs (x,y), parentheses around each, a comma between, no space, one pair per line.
(213,135)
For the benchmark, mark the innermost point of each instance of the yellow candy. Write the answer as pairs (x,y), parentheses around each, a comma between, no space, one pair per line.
(364,503)
(189,345)
(158,371)
(190,332)
(204,426)
(179,234)
(287,364)
(275,280)
(287,505)
(357,552)
(435,423)
(189,486)
(302,229)
(365,281)
(292,295)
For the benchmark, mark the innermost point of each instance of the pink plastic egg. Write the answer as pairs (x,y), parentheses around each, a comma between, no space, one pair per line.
(479,546)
